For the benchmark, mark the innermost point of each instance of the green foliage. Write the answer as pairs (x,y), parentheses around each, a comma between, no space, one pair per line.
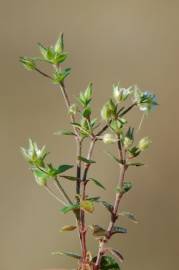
(64,132)
(97,182)
(69,208)
(129,215)
(59,76)
(118,229)
(109,263)
(84,127)
(85,160)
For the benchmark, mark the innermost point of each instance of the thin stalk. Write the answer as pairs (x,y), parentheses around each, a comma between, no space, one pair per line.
(43,73)
(117,201)
(52,193)
(82,213)
(63,192)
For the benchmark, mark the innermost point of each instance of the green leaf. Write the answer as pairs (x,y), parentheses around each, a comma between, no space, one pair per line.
(108,206)
(63,168)
(129,215)
(117,254)
(70,254)
(69,208)
(86,112)
(59,45)
(113,157)
(59,76)
(94,199)
(137,164)
(68,228)
(71,178)
(59,58)
(98,231)
(28,63)
(125,187)
(64,132)
(118,229)
(88,161)
(97,183)
(109,263)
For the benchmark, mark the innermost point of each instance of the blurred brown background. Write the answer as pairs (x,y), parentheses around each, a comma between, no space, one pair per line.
(134,41)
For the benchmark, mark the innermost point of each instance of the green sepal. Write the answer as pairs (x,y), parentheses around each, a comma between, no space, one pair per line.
(59,76)
(28,63)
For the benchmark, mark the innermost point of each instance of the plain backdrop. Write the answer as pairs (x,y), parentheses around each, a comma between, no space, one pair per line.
(132,41)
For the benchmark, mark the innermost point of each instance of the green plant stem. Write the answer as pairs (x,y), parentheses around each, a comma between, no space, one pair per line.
(62,190)
(43,73)
(52,193)
(117,201)
(83,229)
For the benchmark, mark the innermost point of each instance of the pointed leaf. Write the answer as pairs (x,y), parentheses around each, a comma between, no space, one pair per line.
(63,168)
(97,183)
(137,164)
(129,215)
(88,161)
(114,158)
(64,132)
(69,208)
(70,254)
(68,228)
(71,178)
(98,231)
(108,206)
(118,229)
(117,254)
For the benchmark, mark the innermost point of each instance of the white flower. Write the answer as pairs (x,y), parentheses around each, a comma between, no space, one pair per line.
(121,94)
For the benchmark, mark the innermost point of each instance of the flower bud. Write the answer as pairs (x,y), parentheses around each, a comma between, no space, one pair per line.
(72,109)
(108,111)
(109,138)
(28,63)
(144,143)
(127,142)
